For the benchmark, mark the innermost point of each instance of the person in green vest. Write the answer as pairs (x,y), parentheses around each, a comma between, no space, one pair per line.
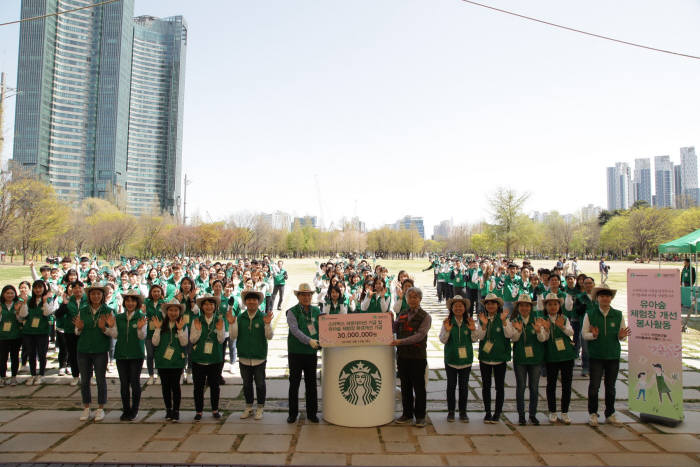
(457,334)
(376,299)
(603,327)
(280,280)
(494,352)
(151,307)
(72,300)
(459,277)
(302,353)
(512,285)
(94,326)
(251,330)
(581,304)
(474,275)
(411,328)
(129,352)
(10,335)
(528,355)
(559,357)
(555,288)
(687,274)
(334,302)
(202,281)
(169,346)
(207,337)
(34,314)
(400,304)
(173,283)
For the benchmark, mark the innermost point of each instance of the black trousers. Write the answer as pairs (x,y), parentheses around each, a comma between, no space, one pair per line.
(170,385)
(130,385)
(36,345)
(598,369)
(499,376)
(72,350)
(441,290)
(62,351)
(473,296)
(567,375)
(307,364)
(248,375)
(455,376)
(412,375)
(10,348)
(206,374)
(461,291)
(449,291)
(275,290)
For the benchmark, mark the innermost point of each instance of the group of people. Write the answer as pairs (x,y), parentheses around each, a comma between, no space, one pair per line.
(183,317)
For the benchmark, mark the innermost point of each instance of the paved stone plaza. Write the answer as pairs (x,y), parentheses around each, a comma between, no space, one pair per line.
(40,424)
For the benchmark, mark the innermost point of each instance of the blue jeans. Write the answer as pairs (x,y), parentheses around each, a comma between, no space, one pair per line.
(87,362)
(248,374)
(532,374)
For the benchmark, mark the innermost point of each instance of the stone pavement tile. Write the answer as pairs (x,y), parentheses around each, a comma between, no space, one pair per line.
(395,459)
(33,442)
(675,442)
(186,416)
(253,427)
(619,433)
(318,459)
(400,433)
(265,443)
(690,424)
(227,391)
(641,427)
(393,446)
(270,418)
(499,445)
(56,390)
(560,439)
(690,394)
(581,386)
(691,379)
(571,459)
(208,443)
(18,457)
(21,390)
(206,428)
(444,444)
(67,458)
(473,459)
(4,436)
(328,438)
(144,457)
(173,431)
(240,459)
(154,391)
(161,446)
(639,446)
(475,426)
(582,418)
(108,437)
(113,417)
(647,459)
(7,415)
(45,421)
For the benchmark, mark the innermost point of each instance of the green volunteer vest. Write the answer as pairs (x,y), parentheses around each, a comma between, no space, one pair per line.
(35,323)
(459,280)
(470,273)
(500,346)
(9,325)
(511,288)
(374,306)
(607,345)
(208,336)
(334,309)
(177,357)
(279,278)
(294,345)
(91,338)
(562,352)
(528,338)
(129,346)
(73,312)
(251,342)
(460,336)
(152,311)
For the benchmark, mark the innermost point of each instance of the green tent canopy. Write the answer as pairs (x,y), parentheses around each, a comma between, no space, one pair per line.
(686,244)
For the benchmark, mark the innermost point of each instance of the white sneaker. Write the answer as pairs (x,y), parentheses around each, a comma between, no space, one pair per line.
(565,418)
(188,379)
(593,419)
(13,381)
(39,380)
(231,368)
(99,415)
(86,414)
(24,368)
(61,372)
(149,381)
(246,413)
(613,419)
(259,413)
(30,381)
(75,381)
(552,417)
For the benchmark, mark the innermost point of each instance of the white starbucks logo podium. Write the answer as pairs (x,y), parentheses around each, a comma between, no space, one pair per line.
(360,382)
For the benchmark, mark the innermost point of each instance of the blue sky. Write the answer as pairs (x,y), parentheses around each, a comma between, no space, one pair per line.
(421,107)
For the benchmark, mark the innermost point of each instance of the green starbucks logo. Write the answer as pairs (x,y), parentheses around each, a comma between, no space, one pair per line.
(360,382)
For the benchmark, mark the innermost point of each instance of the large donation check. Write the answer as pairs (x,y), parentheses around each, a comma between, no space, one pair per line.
(355,329)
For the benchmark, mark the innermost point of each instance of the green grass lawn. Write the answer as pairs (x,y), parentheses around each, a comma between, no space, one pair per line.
(14,274)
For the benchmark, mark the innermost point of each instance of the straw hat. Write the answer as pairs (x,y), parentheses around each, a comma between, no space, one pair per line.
(252,293)
(96,287)
(208,297)
(174,302)
(597,290)
(304,288)
(523,298)
(550,297)
(492,298)
(135,295)
(458,298)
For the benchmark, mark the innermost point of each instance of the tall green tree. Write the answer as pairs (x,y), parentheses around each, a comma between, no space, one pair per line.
(506,207)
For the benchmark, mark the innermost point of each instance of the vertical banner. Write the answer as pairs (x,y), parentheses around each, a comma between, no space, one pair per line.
(655,346)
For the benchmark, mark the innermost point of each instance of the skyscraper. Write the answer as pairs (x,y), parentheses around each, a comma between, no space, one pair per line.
(664,179)
(619,181)
(75,125)
(410,223)
(689,177)
(641,182)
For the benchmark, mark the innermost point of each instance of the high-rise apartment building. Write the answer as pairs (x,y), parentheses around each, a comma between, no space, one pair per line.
(664,181)
(410,223)
(99,109)
(619,181)
(641,182)
(689,177)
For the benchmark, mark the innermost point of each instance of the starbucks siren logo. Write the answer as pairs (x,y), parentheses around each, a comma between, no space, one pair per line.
(360,382)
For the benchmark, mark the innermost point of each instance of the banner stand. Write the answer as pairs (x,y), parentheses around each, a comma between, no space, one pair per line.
(648,418)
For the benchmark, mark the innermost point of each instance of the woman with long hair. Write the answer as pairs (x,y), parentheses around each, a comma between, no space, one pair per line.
(10,335)
(34,314)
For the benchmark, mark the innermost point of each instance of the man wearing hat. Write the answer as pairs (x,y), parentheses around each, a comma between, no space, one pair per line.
(251,330)
(302,347)
(603,328)
(129,352)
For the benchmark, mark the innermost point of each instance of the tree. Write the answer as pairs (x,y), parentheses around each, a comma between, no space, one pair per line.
(614,236)
(686,222)
(648,228)
(640,203)
(506,207)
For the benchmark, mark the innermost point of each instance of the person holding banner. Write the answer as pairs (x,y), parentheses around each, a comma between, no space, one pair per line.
(411,328)
(603,328)
(302,347)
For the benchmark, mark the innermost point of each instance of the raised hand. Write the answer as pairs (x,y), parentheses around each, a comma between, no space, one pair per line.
(471,324)
(624,332)
(78,323)
(101,322)
(483,319)
(546,324)
(141,322)
(447,324)
(180,323)
(504,315)
(219,324)
(538,324)
(518,325)
(157,323)
(560,321)
(197,324)
(179,297)
(110,320)
(193,294)
(230,317)
(267,319)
